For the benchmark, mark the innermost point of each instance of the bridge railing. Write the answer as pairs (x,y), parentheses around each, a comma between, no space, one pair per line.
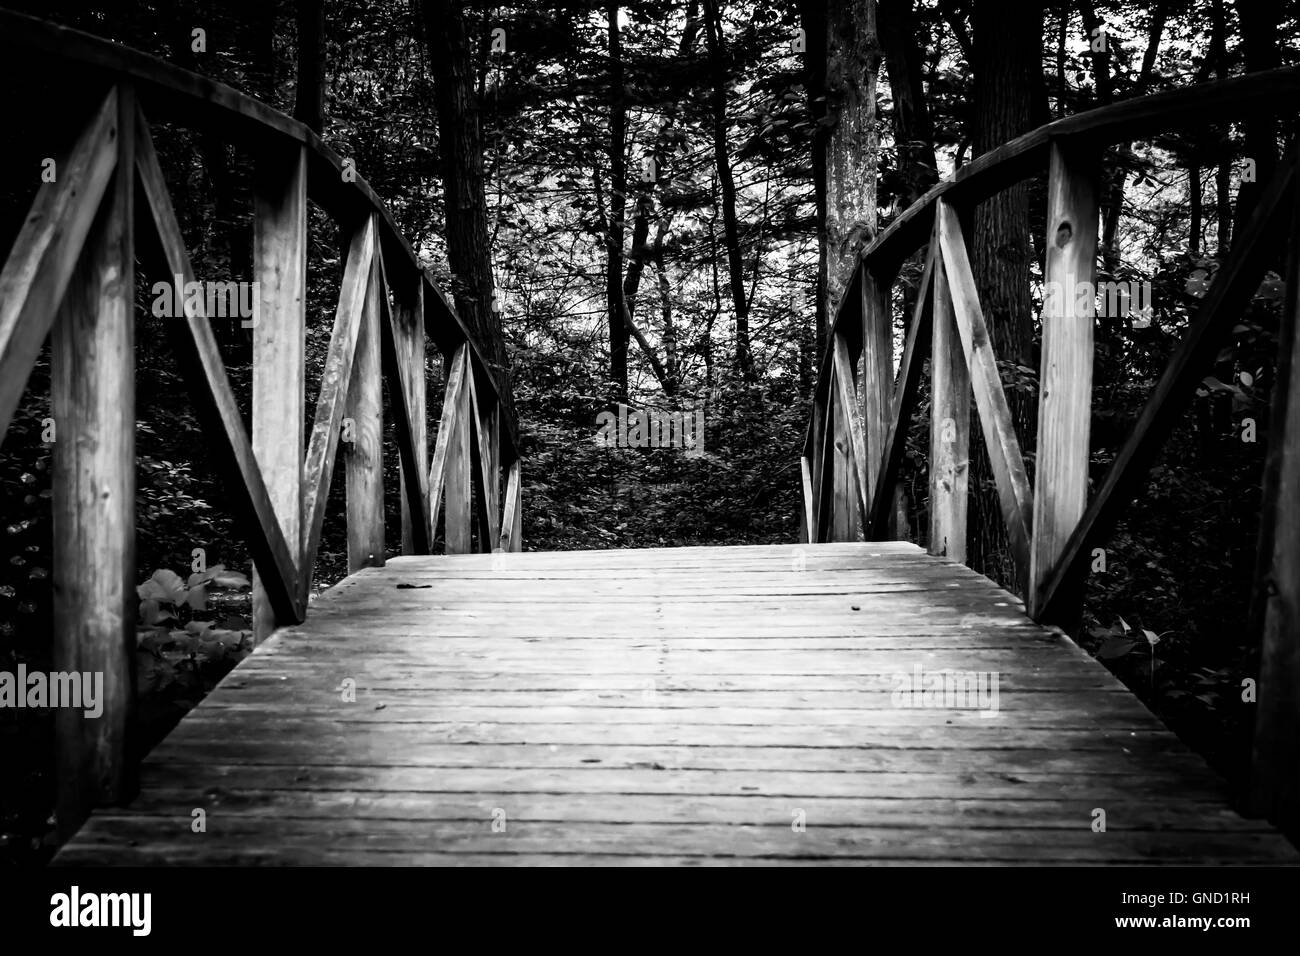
(855,442)
(71,276)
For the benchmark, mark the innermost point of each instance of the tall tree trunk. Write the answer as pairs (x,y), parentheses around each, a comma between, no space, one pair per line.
(671,360)
(309,103)
(1259,42)
(852,65)
(727,186)
(618,331)
(1009,95)
(913,130)
(460,146)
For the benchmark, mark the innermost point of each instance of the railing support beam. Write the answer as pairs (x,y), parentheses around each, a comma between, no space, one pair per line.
(1065,381)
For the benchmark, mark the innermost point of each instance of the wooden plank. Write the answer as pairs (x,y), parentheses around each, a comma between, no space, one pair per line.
(808,530)
(995,415)
(92,391)
(1229,295)
(1065,381)
(510,516)
(949,428)
(844,518)
(485,472)
(442,452)
(456,519)
(363,457)
(404,370)
(877,369)
(205,376)
(318,469)
(855,451)
(883,518)
(279,338)
(1275,777)
(47,248)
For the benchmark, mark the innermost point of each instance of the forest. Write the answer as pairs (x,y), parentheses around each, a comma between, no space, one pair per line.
(648,212)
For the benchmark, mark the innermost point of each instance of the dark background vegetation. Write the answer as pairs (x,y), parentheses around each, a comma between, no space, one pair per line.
(1169,613)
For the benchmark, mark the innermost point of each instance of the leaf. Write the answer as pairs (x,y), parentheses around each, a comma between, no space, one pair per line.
(164,586)
(152,613)
(1152,637)
(1115,647)
(1124,624)
(197,599)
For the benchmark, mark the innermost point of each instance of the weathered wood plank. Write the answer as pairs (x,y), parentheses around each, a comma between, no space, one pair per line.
(363,456)
(442,451)
(486,478)
(511,532)
(986,382)
(404,335)
(877,368)
(205,376)
(808,521)
(854,460)
(47,248)
(318,469)
(456,511)
(279,355)
(92,388)
(949,428)
(1065,377)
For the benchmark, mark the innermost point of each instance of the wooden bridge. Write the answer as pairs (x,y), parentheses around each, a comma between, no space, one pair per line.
(830,700)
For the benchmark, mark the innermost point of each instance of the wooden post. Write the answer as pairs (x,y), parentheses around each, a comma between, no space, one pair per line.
(408,311)
(457,510)
(843,526)
(1065,384)
(1275,784)
(877,371)
(511,534)
(279,390)
(364,455)
(93,396)
(949,428)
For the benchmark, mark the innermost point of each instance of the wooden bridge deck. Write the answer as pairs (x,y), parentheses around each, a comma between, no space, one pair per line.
(665,706)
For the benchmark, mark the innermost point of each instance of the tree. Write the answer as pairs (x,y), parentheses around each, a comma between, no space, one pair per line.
(1010,99)
(460,147)
(618,331)
(727,186)
(309,104)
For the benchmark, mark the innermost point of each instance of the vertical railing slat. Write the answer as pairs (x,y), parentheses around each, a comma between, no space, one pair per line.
(279,390)
(1065,380)
(363,456)
(93,399)
(950,396)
